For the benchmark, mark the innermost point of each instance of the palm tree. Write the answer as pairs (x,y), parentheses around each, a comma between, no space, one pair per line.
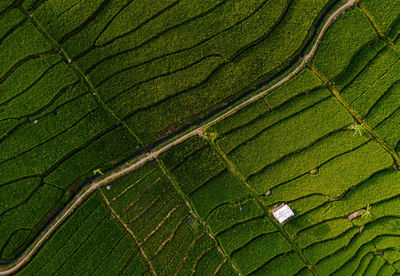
(97,171)
(366,213)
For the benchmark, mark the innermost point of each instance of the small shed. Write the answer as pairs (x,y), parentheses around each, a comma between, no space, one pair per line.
(282,213)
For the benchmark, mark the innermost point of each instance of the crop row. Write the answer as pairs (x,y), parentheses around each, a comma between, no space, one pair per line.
(311,124)
(52,134)
(170,236)
(288,100)
(370,84)
(226,204)
(89,243)
(294,146)
(327,228)
(385,16)
(326,174)
(50,125)
(333,243)
(350,33)
(374,95)
(156,73)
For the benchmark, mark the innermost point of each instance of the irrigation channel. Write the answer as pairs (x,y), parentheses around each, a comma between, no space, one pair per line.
(150,154)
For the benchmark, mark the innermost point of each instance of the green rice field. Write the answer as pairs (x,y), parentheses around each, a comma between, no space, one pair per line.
(159,137)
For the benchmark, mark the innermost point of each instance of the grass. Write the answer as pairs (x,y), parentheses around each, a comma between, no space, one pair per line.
(230,217)
(60,18)
(360,62)
(135,267)
(44,92)
(252,128)
(332,232)
(303,83)
(17,83)
(10,20)
(11,194)
(198,169)
(288,264)
(354,166)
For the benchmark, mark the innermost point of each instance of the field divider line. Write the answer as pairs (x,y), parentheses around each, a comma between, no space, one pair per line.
(231,167)
(388,262)
(141,160)
(193,212)
(81,76)
(381,35)
(360,248)
(188,252)
(219,267)
(193,270)
(357,117)
(159,226)
(133,184)
(20,63)
(146,208)
(171,236)
(127,229)
(132,204)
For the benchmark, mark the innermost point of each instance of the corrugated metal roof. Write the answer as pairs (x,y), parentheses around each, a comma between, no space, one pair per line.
(282,213)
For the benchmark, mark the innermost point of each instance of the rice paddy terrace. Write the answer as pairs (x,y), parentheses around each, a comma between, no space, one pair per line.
(142,137)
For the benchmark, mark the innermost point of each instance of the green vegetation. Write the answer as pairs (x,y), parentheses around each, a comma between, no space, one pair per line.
(346,37)
(157,64)
(385,15)
(89,243)
(87,85)
(358,129)
(53,134)
(366,213)
(374,94)
(310,124)
(97,171)
(237,220)
(171,237)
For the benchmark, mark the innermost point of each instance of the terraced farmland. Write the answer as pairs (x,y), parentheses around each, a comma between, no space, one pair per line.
(155,137)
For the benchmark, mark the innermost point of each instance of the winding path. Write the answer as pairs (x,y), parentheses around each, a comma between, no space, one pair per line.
(84,193)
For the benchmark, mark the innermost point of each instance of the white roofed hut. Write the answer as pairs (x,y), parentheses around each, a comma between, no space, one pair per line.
(282,213)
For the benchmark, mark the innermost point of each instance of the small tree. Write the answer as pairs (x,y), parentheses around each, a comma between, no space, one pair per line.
(358,129)
(97,171)
(366,213)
